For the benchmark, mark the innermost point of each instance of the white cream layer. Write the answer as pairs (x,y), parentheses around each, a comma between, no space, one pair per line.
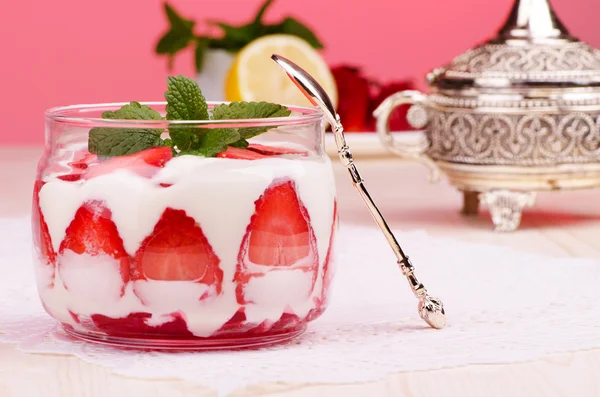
(220,195)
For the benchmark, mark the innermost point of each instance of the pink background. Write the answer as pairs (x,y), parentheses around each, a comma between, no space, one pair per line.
(74,51)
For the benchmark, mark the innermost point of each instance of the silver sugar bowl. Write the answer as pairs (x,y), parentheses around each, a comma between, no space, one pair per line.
(513,116)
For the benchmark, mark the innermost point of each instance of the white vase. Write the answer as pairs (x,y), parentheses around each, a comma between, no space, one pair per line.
(214,72)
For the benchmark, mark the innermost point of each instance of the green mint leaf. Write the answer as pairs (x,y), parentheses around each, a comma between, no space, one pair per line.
(133,111)
(261,12)
(296,28)
(240,35)
(213,142)
(200,52)
(121,141)
(184,102)
(225,43)
(106,141)
(184,99)
(216,140)
(249,110)
(242,144)
(179,35)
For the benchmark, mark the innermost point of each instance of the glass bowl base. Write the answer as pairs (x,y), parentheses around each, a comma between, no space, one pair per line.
(196,344)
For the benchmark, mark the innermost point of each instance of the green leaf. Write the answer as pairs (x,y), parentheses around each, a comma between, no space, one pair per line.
(121,141)
(225,43)
(240,35)
(216,140)
(106,141)
(179,35)
(133,111)
(249,110)
(184,99)
(242,144)
(184,102)
(261,12)
(296,28)
(200,52)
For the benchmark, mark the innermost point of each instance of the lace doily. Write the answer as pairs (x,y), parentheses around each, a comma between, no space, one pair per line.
(502,306)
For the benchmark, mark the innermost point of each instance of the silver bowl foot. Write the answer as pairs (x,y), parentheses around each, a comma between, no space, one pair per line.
(506,207)
(470,202)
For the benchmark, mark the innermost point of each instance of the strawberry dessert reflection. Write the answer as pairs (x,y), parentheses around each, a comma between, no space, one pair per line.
(150,245)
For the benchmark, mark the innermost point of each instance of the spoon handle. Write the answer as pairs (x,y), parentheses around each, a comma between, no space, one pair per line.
(430,309)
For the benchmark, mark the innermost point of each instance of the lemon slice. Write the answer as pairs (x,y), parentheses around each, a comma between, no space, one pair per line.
(255,77)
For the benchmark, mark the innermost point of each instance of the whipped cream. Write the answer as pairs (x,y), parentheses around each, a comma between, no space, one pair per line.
(220,195)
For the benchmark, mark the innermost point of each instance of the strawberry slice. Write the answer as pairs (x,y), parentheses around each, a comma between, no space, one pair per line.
(240,154)
(177,249)
(278,238)
(92,232)
(41,234)
(328,270)
(136,324)
(82,160)
(145,163)
(274,150)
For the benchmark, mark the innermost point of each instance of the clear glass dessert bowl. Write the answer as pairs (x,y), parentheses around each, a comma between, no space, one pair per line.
(162,249)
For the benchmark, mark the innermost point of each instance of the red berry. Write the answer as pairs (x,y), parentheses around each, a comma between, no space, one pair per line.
(397,121)
(137,324)
(177,249)
(354,94)
(41,235)
(93,232)
(274,150)
(82,160)
(240,154)
(145,163)
(278,237)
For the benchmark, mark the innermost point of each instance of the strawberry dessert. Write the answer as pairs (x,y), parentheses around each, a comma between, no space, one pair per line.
(193,238)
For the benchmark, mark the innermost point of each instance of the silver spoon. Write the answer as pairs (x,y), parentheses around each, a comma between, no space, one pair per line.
(430,309)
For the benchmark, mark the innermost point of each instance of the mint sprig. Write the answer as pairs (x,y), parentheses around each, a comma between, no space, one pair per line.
(180,34)
(184,102)
(234,37)
(106,141)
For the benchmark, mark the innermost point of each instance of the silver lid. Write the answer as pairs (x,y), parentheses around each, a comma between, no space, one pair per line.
(532,50)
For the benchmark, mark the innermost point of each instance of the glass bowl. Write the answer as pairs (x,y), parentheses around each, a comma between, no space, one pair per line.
(153,250)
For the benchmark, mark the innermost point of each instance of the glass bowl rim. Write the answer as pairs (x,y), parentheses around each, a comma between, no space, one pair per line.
(63,114)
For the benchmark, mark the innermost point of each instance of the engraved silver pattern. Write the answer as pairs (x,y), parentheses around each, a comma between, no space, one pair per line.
(532,62)
(517,139)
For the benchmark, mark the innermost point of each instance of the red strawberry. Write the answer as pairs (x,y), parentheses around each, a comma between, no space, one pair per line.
(286,322)
(279,237)
(81,162)
(397,120)
(92,232)
(274,150)
(41,235)
(177,250)
(240,154)
(144,163)
(136,324)
(328,270)
(354,94)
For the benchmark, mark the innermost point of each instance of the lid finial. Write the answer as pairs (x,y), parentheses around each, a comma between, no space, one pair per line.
(533,20)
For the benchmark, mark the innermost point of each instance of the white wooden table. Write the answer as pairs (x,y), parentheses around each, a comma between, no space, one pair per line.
(562,224)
